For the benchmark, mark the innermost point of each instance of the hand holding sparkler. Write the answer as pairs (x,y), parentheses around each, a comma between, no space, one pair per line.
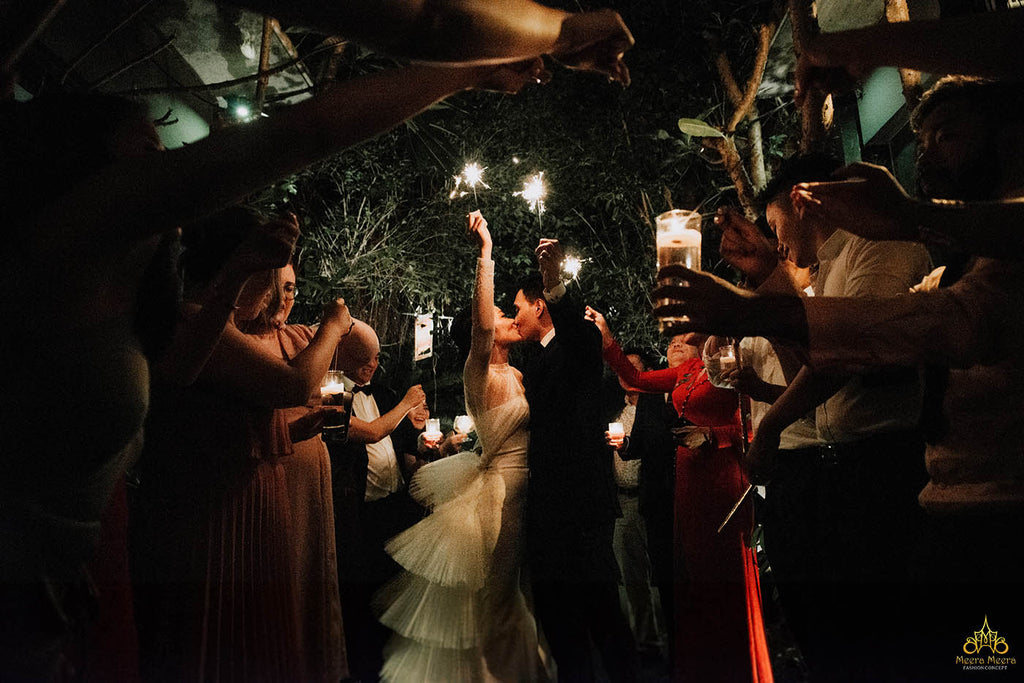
(549,256)
(476,225)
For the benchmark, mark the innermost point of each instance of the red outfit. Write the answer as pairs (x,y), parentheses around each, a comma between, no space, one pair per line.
(719,632)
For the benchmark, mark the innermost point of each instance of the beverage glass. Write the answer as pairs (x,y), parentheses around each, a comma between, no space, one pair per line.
(678,241)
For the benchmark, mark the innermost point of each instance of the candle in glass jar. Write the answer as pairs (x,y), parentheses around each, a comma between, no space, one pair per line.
(463,424)
(616,430)
(678,242)
(332,384)
(433,430)
(727,358)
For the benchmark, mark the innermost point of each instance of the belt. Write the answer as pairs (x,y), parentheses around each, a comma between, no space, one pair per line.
(836,453)
(632,492)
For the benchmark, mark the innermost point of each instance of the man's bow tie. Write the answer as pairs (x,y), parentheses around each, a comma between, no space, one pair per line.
(365,389)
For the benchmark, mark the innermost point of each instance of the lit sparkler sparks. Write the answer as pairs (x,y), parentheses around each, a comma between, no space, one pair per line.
(534,192)
(571,266)
(471,176)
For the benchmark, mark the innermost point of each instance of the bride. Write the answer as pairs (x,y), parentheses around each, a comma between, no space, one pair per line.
(457,611)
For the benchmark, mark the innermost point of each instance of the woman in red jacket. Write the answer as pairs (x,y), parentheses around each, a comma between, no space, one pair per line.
(719,632)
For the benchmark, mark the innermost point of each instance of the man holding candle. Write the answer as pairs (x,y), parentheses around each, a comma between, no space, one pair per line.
(370,497)
(630,541)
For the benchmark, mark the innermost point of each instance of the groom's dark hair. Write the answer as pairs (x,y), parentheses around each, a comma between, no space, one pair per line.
(532,287)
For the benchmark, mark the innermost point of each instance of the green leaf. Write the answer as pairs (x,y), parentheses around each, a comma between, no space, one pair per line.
(699,129)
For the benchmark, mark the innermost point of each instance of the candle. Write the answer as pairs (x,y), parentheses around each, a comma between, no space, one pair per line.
(727,358)
(433,430)
(332,393)
(678,242)
(463,424)
(616,430)
(332,384)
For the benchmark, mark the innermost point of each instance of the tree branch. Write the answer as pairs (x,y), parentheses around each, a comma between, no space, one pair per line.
(743,109)
(816,106)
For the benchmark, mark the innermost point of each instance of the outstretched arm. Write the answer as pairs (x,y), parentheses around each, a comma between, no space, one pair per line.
(868,201)
(136,198)
(239,366)
(467,31)
(361,431)
(979,45)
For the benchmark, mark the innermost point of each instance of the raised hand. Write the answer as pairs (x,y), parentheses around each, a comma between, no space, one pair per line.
(595,41)
(712,304)
(414,396)
(511,78)
(819,70)
(595,317)
(744,247)
(476,226)
(866,200)
(337,313)
(268,246)
(550,256)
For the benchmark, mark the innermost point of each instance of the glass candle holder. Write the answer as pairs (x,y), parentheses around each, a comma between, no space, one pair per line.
(463,424)
(678,241)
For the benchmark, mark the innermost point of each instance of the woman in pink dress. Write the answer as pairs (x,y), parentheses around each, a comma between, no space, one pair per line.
(307,474)
(719,631)
(223,596)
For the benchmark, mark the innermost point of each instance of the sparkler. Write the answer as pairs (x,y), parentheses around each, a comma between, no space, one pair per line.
(571,266)
(471,176)
(534,192)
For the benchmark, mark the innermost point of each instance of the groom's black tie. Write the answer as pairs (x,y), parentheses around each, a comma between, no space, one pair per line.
(365,389)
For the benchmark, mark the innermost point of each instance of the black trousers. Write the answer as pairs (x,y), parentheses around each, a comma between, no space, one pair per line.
(576,600)
(840,529)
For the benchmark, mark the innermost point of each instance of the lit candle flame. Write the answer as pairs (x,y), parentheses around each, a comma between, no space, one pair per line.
(534,192)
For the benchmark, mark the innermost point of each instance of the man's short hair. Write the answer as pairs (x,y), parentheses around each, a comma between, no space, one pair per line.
(532,287)
(999,100)
(810,168)
(645,357)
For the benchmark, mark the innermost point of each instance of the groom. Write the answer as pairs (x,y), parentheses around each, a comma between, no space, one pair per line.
(572,499)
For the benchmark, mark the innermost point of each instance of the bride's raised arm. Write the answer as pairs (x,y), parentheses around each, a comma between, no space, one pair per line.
(483,297)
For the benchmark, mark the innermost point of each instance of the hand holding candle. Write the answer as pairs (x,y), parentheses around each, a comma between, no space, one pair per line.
(678,242)
(616,434)
(432,434)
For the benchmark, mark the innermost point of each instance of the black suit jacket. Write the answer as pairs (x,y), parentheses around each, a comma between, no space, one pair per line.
(650,441)
(572,483)
(349,465)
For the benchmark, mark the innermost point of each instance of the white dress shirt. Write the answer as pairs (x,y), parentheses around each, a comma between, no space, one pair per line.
(383,476)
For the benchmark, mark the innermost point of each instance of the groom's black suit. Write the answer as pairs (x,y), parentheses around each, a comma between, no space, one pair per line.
(572,503)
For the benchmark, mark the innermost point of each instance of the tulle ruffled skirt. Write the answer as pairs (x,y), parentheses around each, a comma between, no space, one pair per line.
(456,610)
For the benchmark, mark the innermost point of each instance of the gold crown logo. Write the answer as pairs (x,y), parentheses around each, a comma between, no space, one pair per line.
(986,638)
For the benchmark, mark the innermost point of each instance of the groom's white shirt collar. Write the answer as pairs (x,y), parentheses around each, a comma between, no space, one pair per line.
(553,295)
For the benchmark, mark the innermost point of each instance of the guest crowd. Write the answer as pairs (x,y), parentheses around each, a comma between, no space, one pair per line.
(177,504)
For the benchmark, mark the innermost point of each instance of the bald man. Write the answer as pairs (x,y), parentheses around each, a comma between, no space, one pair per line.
(371,501)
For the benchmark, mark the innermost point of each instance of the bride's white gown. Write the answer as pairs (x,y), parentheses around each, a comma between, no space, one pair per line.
(457,611)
